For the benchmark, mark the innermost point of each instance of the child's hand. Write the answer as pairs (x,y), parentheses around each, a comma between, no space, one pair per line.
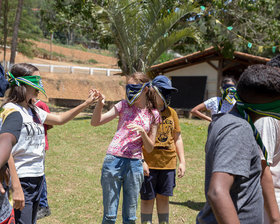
(181,170)
(137,128)
(101,98)
(146,169)
(92,96)
(18,198)
(4,177)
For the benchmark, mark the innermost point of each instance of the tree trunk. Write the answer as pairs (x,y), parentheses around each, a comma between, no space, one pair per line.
(5,31)
(0,9)
(51,40)
(15,32)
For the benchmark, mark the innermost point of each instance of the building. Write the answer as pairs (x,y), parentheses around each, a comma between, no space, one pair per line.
(197,75)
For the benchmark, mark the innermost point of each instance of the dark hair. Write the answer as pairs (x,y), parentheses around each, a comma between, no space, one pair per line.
(141,78)
(227,80)
(17,94)
(274,62)
(259,80)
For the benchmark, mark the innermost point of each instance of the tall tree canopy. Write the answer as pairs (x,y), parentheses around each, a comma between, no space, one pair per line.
(143,30)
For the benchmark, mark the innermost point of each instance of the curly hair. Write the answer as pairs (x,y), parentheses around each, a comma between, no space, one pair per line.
(274,62)
(259,80)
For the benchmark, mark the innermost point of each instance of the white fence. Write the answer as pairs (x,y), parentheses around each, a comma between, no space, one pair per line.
(73,69)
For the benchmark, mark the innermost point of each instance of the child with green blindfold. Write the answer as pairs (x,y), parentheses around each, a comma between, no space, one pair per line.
(269,129)
(235,183)
(28,154)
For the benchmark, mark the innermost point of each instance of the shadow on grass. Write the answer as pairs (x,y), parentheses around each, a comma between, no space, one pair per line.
(82,118)
(191,204)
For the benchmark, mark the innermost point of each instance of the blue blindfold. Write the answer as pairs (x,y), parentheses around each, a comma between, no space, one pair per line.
(4,84)
(133,91)
(227,86)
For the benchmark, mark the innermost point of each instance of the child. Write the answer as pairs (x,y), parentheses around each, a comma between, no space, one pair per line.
(10,127)
(217,104)
(44,209)
(122,165)
(160,164)
(233,165)
(269,129)
(28,153)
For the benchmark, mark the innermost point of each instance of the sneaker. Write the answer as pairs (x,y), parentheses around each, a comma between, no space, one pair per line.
(43,212)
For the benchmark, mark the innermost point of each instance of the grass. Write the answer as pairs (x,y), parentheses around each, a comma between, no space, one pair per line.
(73,169)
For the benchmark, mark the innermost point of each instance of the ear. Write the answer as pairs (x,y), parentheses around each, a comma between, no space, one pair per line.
(146,89)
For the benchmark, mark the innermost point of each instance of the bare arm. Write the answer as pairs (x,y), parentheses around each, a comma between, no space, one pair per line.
(196,111)
(180,153)
(148,139)
(18,196)
(98,118)
(7,141)
(59,119)
(220,199)
(270,203)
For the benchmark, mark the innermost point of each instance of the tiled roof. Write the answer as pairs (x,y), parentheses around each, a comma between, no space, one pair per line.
(199,55)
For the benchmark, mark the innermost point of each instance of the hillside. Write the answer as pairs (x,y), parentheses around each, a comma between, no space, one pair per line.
(76,86)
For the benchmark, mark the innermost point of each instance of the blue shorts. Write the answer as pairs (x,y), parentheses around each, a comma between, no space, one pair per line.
(159,182)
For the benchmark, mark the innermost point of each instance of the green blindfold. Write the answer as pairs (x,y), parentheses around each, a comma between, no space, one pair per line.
(271,109)
(33,81)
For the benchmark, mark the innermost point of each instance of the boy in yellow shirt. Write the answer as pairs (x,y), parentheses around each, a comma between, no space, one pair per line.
(160,165)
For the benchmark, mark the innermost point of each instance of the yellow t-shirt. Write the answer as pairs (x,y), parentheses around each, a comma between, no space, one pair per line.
(164,154)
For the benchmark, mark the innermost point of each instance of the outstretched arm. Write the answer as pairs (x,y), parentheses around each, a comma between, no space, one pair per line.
(196,111)
(220,199)
(97,117)
(59,119)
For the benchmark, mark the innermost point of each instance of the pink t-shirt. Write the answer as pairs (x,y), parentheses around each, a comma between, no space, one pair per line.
(127,143)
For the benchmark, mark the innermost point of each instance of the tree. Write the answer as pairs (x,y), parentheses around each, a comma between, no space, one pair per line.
(246,25)
(71,21)
(15,32)
(5,29)
(143,30)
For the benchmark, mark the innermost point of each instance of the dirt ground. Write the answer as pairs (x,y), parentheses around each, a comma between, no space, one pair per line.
(103,61)
(76,86)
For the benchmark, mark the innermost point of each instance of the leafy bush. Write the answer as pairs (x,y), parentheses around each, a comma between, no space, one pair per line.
(26,48)
(92,61)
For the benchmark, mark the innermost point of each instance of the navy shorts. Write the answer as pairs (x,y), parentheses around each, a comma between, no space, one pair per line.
(159,182)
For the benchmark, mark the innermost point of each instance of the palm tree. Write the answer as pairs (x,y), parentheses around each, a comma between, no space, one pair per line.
(143,30)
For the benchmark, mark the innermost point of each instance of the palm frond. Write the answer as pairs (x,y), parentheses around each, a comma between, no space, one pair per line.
(163,44)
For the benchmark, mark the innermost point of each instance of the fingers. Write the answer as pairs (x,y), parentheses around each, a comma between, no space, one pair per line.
(146,173)
(181,172)
(19,204)
(2,190)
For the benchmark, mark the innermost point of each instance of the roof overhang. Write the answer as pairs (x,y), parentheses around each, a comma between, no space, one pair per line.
(208,55)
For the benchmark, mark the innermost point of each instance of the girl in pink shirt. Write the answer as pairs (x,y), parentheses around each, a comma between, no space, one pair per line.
(122,165)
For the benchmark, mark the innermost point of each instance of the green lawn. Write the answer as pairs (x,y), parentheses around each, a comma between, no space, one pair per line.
(73,169)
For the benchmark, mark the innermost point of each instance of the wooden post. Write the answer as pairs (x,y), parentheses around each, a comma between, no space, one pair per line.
(220,75)
(51,40)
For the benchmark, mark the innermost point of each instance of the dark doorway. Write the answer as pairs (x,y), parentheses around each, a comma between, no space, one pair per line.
(191,91)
